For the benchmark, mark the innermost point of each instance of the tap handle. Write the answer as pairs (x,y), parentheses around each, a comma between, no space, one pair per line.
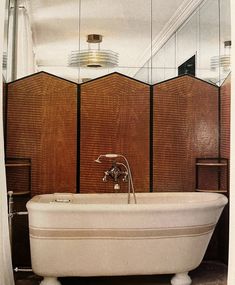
(125,178)
(106,174)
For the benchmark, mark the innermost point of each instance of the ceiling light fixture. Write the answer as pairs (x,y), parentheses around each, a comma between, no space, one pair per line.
(223,60)
(4,60)
(93,57)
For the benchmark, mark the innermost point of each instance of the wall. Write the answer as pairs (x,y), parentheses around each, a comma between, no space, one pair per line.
(41,113)
(203,34)
(112,114)
(4,92)
(225,104)
(114,119)
(225,95)
(183,129)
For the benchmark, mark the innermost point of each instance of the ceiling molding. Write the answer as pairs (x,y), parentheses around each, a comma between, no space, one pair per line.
(184,11)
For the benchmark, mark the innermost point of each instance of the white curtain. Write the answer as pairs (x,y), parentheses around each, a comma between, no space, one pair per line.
(25,54)
(26,63)
(6,273)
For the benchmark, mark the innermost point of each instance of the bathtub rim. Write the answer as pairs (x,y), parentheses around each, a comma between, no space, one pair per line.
(219,200)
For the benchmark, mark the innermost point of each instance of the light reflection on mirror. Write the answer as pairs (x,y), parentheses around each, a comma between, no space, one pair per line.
(152,40)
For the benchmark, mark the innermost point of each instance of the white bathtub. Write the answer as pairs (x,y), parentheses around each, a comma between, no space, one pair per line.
(102,235)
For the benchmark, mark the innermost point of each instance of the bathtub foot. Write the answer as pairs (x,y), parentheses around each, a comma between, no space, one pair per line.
(50,281)
(181,279)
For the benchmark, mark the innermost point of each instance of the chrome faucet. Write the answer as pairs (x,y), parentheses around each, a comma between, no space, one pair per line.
(115,171)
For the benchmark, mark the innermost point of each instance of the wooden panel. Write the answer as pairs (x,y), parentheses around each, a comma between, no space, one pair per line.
(225,101)
(41,125)
(4,92)
(18,179)
(225,97)
(114,119)
(185,118)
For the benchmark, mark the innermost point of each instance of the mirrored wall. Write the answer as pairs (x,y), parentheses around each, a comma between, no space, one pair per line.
(5,40)
(80,40)
(205,35)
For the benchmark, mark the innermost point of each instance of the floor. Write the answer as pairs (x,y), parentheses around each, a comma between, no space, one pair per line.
(208,273)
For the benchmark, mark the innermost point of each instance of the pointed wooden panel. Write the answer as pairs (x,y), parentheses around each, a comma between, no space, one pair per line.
(42,125)
(185,126)
(114,119)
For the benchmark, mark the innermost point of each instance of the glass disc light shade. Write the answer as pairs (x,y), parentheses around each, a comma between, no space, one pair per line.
(222,60)
(4,60)
(93,58)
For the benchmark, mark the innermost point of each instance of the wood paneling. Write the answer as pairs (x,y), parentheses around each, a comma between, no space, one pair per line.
(114,119)
(225,101)
(225,98)
(185,126)
(42,125)
(4,92)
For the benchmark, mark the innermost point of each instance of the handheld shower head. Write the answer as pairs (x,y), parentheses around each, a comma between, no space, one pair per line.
(98,159)
(108,155)
(111,155)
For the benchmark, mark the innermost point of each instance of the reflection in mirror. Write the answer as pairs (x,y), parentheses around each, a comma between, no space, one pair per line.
(225,38)
(20,45)
(149,41)
(188,67)
(126,30)
(206,32)
(208,40)
(5,40)
(187,40)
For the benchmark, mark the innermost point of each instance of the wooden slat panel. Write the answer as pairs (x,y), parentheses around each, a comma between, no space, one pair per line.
(18,179)
(185,127)
(4,92)
(114,119)
(225,96)
(225,99)
(41,125)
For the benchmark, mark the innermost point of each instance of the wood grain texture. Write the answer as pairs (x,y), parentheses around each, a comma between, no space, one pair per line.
(4,92)
(185,126)
(225,102)
(225,98)
(42,125)
(114,119)
(18,179)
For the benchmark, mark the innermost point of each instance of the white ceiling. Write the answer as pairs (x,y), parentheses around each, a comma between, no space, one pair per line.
(124,24)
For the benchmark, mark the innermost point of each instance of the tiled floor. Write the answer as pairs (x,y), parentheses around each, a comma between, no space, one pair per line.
(208,273)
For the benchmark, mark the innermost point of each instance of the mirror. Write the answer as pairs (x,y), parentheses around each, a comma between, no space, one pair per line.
(150,41)
(5,40)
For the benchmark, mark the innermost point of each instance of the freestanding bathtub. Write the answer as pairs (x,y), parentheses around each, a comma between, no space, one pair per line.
(102,235)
